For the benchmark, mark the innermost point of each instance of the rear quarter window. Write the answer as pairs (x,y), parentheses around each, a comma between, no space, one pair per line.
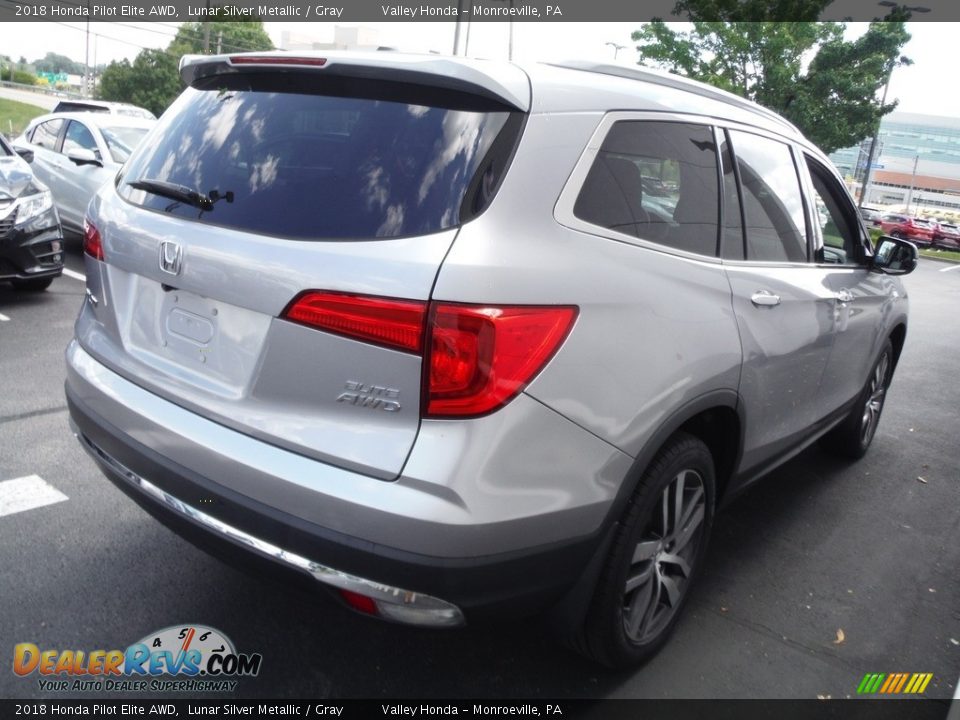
(657,181)
(309,159)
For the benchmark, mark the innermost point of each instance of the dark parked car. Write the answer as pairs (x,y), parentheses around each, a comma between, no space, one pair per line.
(909,228)
(31,242)
(946,235)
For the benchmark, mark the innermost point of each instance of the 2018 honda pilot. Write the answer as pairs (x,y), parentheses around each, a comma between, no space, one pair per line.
(462,339)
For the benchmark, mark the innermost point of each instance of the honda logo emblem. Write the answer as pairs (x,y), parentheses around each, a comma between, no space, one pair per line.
(171,257)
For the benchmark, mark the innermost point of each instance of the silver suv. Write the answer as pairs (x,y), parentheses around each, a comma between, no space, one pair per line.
(459,339)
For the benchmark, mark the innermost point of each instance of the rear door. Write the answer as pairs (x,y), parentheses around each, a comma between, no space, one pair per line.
(80,182)
(327,203)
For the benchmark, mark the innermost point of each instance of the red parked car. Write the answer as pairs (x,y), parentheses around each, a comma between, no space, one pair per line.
(909,228)
(946,235)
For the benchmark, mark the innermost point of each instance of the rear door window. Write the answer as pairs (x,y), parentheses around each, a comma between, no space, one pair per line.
(46,134)
(657,181)
(309,158)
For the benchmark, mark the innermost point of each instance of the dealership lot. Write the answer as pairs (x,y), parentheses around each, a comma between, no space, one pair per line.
(821,574)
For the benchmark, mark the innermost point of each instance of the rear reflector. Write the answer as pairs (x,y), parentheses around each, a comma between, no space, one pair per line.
(359,602)
(91,240)
(274,60)
(477,358)
(396,324)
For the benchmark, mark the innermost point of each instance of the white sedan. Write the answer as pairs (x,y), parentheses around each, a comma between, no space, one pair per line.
(75,153)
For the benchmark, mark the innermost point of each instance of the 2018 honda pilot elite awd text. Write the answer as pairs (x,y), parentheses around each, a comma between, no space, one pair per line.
(462,339)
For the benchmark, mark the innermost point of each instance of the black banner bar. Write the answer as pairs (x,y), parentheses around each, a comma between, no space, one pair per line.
(891,709)
(424,10)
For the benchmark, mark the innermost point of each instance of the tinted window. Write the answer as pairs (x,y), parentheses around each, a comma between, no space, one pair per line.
(656,181)
(79,137)
(772,202)
(315,158)
(121,140)
(46,133)
(836,217)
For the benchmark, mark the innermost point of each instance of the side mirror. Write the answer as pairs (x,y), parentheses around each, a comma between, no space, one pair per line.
(82,156)
(25,153)
(894,256)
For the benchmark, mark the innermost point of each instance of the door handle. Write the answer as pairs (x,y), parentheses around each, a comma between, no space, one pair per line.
(764,298)
(845,296)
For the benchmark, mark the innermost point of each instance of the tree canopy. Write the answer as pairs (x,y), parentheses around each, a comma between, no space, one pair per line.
(153,80)
(802,69)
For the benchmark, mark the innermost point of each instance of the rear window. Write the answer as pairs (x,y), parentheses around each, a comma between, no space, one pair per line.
(313,158)
(121,140)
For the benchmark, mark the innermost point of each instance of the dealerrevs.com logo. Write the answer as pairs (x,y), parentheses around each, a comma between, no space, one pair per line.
(202,659)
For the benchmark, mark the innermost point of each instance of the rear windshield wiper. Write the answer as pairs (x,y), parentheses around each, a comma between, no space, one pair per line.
(174,192)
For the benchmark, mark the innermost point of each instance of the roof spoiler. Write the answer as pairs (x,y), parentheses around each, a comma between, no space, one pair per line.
(501,82)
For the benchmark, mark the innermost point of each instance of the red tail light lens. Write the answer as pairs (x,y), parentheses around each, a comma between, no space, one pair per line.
(480,357)
(91,240)
(477,357)
(396,324)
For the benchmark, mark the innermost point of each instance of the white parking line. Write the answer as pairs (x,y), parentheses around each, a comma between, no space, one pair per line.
(952,267)
(27,493)
(74,274)
(4,318)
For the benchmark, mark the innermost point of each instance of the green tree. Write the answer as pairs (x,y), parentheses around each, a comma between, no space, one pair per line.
(800,68)
(153,80)
(232,36)
(54,63)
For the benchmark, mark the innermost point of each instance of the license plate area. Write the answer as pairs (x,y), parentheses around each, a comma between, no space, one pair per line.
(189,328)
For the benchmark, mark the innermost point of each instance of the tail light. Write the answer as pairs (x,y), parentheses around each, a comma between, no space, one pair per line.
(476,358)
(91,240)
(479,358)
(396,324)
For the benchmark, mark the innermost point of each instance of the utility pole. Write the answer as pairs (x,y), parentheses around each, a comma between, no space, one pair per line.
(86,60)
(206,31)
(913,184)
(873,148)
(219,41)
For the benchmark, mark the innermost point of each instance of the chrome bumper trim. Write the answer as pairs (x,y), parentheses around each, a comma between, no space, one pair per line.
(404,606)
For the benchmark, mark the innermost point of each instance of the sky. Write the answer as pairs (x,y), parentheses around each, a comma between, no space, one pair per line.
(923,87)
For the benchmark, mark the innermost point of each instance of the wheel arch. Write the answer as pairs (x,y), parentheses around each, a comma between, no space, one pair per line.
(716,418)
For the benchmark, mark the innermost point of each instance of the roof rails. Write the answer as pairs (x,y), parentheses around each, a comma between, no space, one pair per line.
(678,82)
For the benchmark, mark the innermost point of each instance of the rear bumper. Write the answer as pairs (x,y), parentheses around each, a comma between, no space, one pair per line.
(257,536)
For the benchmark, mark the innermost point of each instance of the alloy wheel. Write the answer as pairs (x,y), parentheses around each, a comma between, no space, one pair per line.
(664,557)
(874,404)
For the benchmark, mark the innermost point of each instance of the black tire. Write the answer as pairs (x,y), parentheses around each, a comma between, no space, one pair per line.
(851,438)
(654,558)
(33,284)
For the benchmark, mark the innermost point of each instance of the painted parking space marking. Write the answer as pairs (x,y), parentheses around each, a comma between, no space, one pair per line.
(74,274)
(952,267)
(27,493)
(4,318)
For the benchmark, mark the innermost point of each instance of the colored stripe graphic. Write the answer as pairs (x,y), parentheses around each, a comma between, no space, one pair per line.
(894,683)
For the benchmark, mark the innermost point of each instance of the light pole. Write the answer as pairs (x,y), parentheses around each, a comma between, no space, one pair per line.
(873,141)
(616,48)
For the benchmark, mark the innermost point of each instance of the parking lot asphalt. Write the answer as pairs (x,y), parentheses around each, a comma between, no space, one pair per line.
(820,574)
